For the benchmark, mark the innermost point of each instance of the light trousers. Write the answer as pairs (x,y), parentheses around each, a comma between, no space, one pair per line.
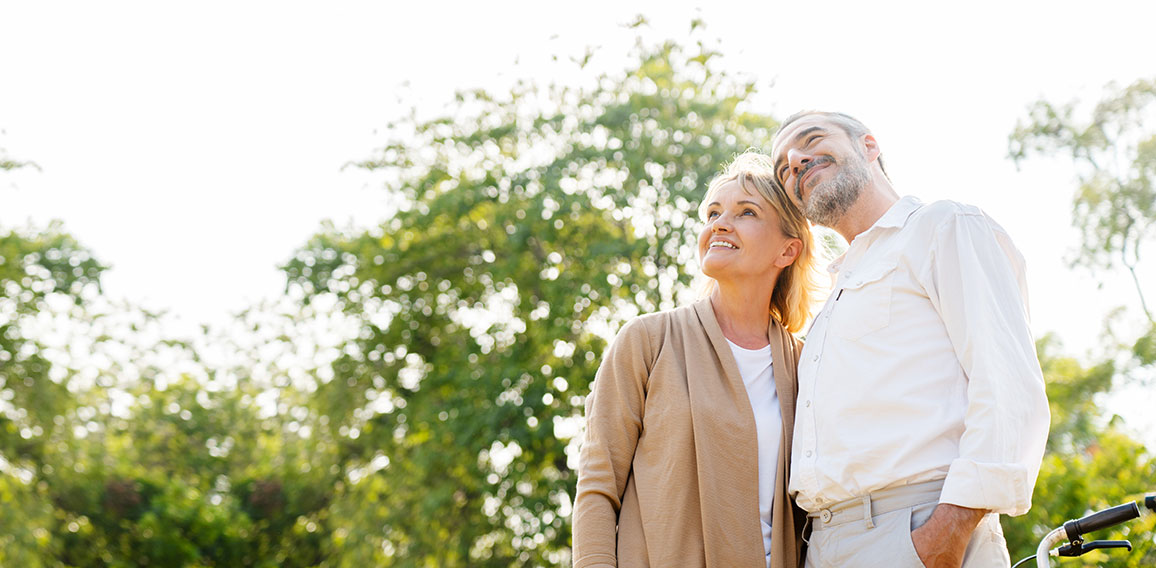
(875,531)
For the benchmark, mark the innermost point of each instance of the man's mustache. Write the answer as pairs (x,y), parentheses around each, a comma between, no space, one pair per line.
(814,164)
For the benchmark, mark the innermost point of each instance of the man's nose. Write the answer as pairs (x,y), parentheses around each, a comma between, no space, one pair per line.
(797,160)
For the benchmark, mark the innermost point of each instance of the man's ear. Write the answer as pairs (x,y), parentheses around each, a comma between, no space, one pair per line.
(870,147)
(790,253)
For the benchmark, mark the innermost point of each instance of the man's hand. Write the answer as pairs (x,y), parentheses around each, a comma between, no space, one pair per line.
(942,540)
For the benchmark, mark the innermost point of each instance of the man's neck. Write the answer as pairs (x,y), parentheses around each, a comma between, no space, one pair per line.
(873,203)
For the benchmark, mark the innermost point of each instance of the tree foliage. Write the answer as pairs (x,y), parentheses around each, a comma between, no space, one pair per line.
(1089,465)
(9,163)
(125,448)
(1114,155)
(1092,461)
(35,269)
(415,397)
(534,223)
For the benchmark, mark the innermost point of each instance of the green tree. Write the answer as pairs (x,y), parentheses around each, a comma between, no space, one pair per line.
(199,463)
(122,447)
(1114,156)
(1089,465)
(1092,462)
(36,268)
(9,163)
(533,224)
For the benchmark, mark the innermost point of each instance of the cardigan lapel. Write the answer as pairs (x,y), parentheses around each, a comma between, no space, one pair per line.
(726,448)
(784,363)
(786,554)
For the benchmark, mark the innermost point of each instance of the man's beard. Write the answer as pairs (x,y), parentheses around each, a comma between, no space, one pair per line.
(831,199)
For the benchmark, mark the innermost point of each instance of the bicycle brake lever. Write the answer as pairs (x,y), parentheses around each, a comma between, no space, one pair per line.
(1079,547)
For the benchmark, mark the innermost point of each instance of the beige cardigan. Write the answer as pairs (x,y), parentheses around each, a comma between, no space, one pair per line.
(668,471)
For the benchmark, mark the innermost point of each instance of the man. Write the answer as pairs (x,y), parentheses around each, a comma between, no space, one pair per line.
(921,409)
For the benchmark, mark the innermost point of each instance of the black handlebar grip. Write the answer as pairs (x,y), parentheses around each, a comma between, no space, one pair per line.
(1150,502)
(1101,519)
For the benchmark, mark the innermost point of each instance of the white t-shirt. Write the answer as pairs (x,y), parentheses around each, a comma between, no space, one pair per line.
(759,378)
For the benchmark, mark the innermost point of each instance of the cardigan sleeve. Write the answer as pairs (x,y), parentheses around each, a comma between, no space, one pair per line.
(614,413)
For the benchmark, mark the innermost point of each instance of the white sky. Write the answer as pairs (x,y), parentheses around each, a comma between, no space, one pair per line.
(194,146)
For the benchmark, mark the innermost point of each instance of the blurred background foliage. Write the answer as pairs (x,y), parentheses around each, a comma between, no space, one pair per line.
(1093,462)
(416,396)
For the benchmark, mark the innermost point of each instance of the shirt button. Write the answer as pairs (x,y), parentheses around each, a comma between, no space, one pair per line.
(815,358)
(807,404)
(825,515)
(808,453)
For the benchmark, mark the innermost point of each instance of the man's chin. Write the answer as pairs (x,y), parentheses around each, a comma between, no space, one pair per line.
(823,221)
(825,214)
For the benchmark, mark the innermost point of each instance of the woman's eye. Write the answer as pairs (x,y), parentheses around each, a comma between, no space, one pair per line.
(711,214)
(748,212)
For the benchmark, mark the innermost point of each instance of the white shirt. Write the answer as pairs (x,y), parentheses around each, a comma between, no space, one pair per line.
(921,366)
(759,378)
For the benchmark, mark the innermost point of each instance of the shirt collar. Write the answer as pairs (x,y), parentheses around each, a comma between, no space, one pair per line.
(895,218)
(897,215)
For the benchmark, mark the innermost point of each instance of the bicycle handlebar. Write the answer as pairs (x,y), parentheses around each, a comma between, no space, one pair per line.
(1103,519)
(1073,530)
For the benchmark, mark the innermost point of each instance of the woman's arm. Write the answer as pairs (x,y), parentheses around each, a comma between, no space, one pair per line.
(614,415)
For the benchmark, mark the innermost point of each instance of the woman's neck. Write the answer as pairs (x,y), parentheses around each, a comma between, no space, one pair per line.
(743,313)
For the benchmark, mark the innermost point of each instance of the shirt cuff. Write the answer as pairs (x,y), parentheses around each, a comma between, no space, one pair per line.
(997,487)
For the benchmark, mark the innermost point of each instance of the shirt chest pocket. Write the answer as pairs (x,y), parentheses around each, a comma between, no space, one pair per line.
(864,302)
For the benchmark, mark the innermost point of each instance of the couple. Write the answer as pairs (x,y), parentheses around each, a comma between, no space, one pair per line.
(918,414)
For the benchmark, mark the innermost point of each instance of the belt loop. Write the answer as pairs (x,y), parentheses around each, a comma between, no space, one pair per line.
(867,511)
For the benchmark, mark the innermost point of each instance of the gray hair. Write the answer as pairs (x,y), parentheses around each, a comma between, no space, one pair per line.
(848,123)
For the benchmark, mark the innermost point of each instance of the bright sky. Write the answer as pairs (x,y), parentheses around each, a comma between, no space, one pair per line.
(194,146)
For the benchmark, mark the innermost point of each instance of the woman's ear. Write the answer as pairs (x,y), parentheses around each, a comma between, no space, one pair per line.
(789,253)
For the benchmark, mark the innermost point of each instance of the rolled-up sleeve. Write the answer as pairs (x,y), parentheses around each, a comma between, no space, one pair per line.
(975,278)
(614,413)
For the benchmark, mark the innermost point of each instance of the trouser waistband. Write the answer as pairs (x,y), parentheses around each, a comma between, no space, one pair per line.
(877,503)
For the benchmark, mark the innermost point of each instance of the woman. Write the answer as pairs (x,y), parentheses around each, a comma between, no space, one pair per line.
(690,417)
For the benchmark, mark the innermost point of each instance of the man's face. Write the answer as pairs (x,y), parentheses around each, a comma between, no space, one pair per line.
(818,163)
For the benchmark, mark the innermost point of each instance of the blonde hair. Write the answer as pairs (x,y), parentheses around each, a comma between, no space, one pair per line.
(795,289)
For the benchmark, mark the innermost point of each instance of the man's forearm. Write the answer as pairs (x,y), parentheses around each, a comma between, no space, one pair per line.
(942,540)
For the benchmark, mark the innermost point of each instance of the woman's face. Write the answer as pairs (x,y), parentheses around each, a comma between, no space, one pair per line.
(742,237)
